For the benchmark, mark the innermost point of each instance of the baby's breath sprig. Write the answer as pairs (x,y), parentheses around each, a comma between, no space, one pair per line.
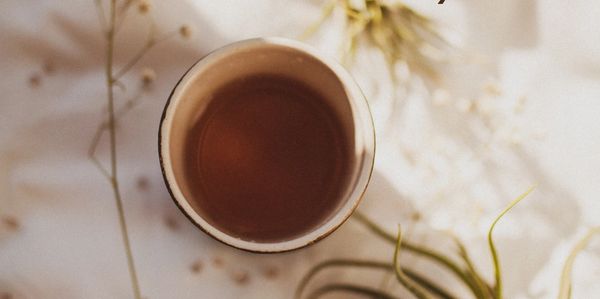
(110,24)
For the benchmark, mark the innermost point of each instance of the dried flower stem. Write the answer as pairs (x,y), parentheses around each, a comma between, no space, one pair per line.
(103,126)
(101,14)
(121,13)
(110,28)
(150,43)
(112,175)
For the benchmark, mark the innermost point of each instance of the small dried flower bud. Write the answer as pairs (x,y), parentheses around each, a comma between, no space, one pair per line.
(142,183)
(144,6)
(11,223)
(6,295)
(271,272)
(196,267)
(515,137)
(485,106)
(35,80)
(171,223)
(218,262)
(129,104)
(148,76)
(240,277)
(520,105)
(441,97)
(464,105)
(492,89)
(185,31)
(416,216)
(48,67)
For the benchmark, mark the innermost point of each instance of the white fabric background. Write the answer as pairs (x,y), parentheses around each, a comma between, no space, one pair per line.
(431,157)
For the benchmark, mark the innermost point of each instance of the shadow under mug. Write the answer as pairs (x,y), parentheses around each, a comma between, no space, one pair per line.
(275,56)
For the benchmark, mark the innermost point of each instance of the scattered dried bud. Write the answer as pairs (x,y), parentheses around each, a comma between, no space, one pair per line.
(171,223)
(492,89)
(271,272)
(218,262)
(144,6)
(441,97)
(35,80)
(416,216)
(464,105)
(48,67)
(129,104)
(515,138)
(11,223)
(6,295)
(196,267)
(185,31)
(240,277)
(142,183)
(148,76)
(520,105)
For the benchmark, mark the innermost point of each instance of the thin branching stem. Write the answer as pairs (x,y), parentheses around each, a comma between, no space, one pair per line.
(113,150)
(150,43)
(147,46)
(103,126)
(92,150)
(101,15)
(121,14)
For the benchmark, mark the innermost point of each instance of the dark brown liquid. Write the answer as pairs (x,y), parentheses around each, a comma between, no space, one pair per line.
(268,159)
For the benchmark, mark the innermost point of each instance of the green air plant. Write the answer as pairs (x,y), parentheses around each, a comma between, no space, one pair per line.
(565,280)
(416,283)
(401,34)
(405,37)
(419,285)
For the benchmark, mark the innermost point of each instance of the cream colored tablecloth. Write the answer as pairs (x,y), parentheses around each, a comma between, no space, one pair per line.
(520,106)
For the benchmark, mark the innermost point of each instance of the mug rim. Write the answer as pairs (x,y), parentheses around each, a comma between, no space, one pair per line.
(355,97)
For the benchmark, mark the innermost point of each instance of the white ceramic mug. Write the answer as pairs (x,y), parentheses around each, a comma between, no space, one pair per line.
(277,56)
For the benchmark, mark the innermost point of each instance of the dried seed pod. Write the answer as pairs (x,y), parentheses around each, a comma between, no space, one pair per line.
(185,31)
(196,267)
(144,6)
(240,277)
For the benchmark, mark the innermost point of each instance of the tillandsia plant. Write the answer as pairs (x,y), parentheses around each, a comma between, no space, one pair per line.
(419,285)
(112,15)
(400,33)
(404,37)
